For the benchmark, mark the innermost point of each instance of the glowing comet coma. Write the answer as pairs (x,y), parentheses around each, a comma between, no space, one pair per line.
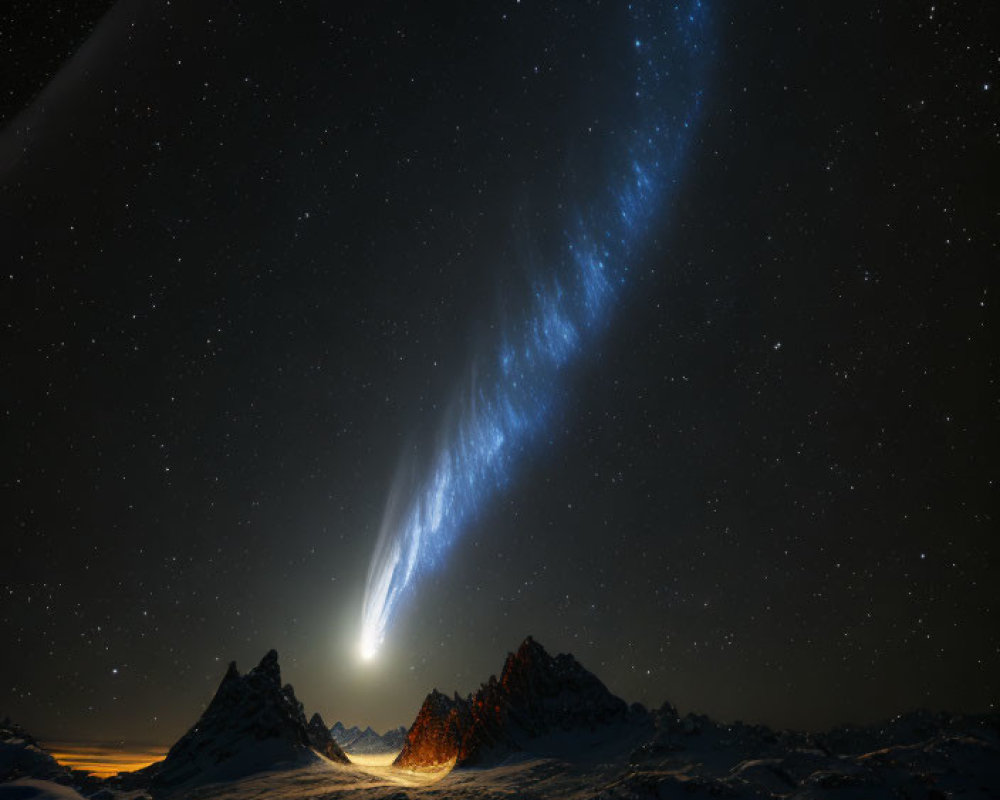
(480,440)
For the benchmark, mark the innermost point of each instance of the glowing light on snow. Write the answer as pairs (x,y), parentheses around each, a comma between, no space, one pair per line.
(510,401)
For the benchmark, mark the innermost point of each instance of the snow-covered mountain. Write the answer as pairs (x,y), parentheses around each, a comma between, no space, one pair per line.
(546,728)
(253,723)
(368,741)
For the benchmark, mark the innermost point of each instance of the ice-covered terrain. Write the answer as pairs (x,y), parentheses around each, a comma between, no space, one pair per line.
(547,728)
(707,763)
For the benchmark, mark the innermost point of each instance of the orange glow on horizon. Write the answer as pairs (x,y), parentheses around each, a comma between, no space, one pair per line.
(104,761)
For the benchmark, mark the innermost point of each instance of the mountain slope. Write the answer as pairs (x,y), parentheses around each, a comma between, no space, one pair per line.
(21,756)
(253,723)
(535,695)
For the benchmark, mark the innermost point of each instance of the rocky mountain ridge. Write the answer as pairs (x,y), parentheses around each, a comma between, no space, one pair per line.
(556,730)
(21,755)
(252,722)
(535,694)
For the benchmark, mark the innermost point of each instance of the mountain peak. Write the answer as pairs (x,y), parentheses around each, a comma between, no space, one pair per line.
(529,645)
(530,656)
(251,723)
(268,668)
(321,739)
(535,694)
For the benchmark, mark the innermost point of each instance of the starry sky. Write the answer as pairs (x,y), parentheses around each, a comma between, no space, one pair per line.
(251,251)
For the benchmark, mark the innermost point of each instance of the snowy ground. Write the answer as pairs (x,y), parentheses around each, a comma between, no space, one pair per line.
(324,780)
(584,767)
(611,765)
(590,761)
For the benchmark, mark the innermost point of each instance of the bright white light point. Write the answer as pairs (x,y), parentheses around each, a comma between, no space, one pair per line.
(368,647)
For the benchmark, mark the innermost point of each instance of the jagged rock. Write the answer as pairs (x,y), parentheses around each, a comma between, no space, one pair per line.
(535,694)
(21,756)
(321,741)
(252,724)
(437,733)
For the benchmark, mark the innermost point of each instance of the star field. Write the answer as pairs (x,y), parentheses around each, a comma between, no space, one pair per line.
(250,254)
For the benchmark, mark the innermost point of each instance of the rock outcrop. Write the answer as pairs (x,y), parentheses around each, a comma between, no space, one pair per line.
(21,756)
(321,741)
(536,694)
(253,723)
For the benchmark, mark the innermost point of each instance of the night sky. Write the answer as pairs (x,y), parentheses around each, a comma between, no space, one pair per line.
(253,252)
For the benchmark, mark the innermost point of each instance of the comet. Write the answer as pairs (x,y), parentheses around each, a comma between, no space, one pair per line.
(511,393)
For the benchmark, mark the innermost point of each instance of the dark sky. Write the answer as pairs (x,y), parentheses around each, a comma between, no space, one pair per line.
(251,249)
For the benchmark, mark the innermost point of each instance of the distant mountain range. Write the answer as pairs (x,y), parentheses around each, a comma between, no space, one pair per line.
(545,718)
(368,741)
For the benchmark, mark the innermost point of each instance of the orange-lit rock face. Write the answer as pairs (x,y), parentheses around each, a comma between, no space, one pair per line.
(436,734)
(536,693)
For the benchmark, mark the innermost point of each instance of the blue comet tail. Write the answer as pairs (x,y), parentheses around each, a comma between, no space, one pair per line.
(480,441)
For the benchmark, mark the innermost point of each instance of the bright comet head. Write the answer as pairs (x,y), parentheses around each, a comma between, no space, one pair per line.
(368,647)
